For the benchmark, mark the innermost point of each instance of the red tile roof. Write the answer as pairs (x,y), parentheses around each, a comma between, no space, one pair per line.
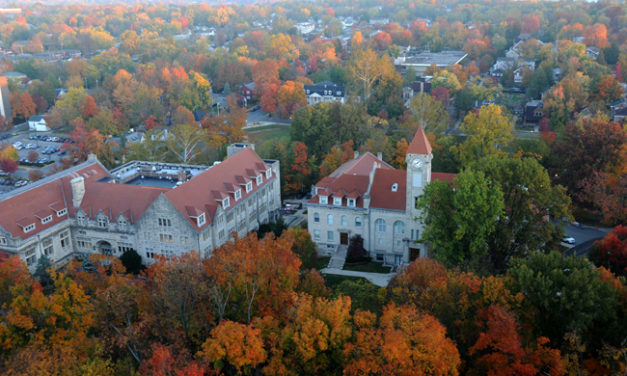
(32,199)
(200,191)
(381,194)
(115,199)
(359,166)
(420,144)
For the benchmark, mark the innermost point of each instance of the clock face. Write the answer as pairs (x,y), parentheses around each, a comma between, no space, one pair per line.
(417,163)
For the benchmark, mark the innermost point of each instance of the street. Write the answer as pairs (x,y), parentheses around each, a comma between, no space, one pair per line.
(584,238)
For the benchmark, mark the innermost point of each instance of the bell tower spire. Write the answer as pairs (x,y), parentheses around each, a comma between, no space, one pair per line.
(418,160)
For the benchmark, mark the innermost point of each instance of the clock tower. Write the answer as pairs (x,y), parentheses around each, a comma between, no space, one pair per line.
(418,160)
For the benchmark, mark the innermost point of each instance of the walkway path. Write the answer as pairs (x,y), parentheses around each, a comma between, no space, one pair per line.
(378,279)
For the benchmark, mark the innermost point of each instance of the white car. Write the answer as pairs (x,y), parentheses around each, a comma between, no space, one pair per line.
(569,240)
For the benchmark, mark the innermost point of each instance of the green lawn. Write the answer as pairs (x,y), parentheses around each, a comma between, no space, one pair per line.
(334,280)
(323,262)
(371,267)
(258,135)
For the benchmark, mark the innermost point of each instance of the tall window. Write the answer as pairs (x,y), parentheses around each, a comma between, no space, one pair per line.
(316,218)
(379,224)
(201,219)
(330,219)
(357,221)
(399,228)
(65,239)
(316,234)
(238,194)
(330,236)
(165,222)
(344,221)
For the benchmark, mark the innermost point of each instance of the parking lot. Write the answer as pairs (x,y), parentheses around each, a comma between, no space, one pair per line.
(48,148)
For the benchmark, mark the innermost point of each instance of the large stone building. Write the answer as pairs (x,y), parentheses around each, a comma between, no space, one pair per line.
(153,208)
(370,198)
(5,105)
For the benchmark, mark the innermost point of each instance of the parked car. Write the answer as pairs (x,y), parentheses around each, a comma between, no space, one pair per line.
(18,145)
(569,240)
(32,145)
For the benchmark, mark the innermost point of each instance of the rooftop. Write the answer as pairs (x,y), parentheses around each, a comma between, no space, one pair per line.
(441,59)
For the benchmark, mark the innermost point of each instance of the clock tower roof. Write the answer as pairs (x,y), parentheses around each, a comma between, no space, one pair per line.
(420,143)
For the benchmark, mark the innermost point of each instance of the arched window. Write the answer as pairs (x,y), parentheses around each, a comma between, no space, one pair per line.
(357,221)
(344,221)
(329,219)
(379,225)
(316,218)
(399,228)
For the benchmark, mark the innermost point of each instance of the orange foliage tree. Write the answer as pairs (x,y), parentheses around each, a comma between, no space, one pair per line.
(22,105)
(406,342)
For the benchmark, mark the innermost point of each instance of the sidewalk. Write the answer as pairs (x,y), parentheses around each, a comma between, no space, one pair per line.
(378,279)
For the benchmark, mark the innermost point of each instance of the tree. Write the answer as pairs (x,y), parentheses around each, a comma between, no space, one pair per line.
(33,156)
(447,80)
(459,222)
(251,276)
(290,97)
(300,167)
(132,261)
(401,152)
(502,353)
(488,131)
(85,142)
(234,345)
(406,343)
(365,68)
(22,105)
(608,89)
(592,146)
(7,151)
(533,210)
(611,251)
(8,165)
(184,143)
(428,112)
(596,35)
(566,295)
(303,247)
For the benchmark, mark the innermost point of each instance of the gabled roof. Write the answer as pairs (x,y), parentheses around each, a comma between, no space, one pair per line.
(359,166)
(420,144)
(115,199)
(202,191)
(25,204)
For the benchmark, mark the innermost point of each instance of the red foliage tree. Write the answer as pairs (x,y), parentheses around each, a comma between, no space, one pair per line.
(611,251)
(8,165)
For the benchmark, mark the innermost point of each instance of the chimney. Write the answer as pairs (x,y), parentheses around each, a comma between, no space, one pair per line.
(379,156)
(78,190)
(356,154)
(92,157)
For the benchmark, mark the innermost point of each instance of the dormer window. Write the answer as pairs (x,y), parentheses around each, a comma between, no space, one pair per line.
(29,228)
(324,200)
(238,194)
(46,219)
(249,186)
(62,212)
(201,220)
(226,203)
(259,179)
(351,202)
(103,222)
(395,187)
(3,240)
(337,201)
(268,173)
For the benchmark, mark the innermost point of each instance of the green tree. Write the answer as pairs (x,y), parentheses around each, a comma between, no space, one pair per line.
(428,112)
(566,295)
(459,218)
(534,210)
(488,131)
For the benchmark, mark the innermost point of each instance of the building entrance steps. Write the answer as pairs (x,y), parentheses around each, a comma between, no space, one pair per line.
(339,258)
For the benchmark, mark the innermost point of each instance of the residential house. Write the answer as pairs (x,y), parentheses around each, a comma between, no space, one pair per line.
(324,92)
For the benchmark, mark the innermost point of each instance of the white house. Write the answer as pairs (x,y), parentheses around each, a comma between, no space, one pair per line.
(37,123)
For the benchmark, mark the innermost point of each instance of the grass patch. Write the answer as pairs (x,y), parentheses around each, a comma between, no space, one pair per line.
(263,133)
(322,262)
(370,267)
(333,280)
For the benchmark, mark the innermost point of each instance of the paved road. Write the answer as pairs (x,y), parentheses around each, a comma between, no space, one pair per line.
(260,116)
(584,238)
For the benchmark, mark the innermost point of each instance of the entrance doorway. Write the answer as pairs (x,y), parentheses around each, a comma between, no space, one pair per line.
(414,253)
(344,238)
(105,248)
